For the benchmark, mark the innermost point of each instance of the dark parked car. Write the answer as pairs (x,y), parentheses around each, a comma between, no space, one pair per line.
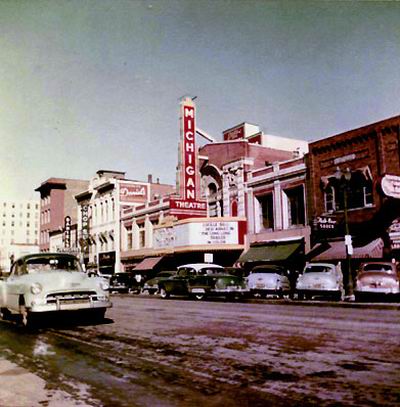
(200,280)
(152,286)
(124,282)
(377,280)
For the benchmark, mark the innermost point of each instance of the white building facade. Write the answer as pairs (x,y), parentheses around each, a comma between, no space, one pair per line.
(19,229)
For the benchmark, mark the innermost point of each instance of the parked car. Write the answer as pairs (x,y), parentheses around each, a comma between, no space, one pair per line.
(200,280)
(51,282)
(321,280)
(377,279)
(152,286)
(124,282)
(269,279)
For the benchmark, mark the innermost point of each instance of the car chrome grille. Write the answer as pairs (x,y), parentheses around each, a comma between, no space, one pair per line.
(71,297)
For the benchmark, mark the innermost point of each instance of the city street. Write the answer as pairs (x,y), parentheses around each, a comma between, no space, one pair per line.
(154,352)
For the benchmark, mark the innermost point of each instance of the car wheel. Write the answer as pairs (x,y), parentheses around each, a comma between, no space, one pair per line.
(163,293)
(99,314)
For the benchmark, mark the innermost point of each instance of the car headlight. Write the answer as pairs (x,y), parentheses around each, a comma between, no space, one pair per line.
(104,285)
(36,288)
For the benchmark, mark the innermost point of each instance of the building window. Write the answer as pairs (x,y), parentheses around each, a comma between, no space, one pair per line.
(129,238)
(296,213)
(266,203)
(142,238)
(358,192)
(329,199)
(28,206)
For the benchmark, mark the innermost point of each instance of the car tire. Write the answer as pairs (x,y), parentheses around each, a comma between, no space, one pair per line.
(99,314)
(164,294)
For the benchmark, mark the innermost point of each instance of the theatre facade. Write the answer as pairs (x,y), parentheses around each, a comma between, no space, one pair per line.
(205,219)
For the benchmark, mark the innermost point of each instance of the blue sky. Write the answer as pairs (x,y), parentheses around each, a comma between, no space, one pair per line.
(88,85)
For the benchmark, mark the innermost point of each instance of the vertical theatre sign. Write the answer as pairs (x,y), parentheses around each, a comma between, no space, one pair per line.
(188,205)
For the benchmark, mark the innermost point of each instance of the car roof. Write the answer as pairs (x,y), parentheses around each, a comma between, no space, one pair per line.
(199,266)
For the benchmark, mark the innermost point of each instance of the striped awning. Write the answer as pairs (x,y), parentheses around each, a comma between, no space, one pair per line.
(337,251)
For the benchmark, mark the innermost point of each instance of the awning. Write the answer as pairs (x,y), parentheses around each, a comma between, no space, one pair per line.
(275,251)
(148,264)
(337,251)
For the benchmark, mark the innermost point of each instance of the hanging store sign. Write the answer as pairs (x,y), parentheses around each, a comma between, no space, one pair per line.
(391,186)
(67,232)
(84,241)
(133,192)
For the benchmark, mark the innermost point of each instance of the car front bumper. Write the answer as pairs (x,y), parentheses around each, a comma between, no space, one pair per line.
(71,305)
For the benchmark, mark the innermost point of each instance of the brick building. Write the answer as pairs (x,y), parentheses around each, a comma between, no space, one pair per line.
(347,175)
(57,200)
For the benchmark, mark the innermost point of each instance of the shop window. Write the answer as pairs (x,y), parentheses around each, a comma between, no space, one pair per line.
(296,212)
(266,203)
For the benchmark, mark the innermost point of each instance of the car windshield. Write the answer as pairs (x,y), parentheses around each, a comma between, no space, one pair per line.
(271,270)
(39,264)
(317,269)
(386,268)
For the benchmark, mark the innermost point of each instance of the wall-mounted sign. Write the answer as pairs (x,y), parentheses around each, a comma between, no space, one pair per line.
(187,209)
(67,232)
(164,238)
(325,222)
(237,133)
(210,233)
(344,159)
(134,192)
(391,186)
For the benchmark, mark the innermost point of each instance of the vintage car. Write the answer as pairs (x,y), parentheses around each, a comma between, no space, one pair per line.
(377,279)
(51,282)
(124,282)
(152,286)
(200,280)
(321,280)
(269,280)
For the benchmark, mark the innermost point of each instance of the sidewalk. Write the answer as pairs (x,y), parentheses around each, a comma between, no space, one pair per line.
(19,388)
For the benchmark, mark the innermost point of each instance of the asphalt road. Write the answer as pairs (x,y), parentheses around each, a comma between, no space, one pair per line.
(154,352)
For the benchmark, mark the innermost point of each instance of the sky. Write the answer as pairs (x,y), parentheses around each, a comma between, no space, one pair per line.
(95,84)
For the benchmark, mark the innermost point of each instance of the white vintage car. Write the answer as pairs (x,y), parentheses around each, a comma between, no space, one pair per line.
(51,282)
(321,280)
(269,280)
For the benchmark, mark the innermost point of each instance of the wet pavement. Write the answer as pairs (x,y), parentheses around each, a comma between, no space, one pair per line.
(154,352)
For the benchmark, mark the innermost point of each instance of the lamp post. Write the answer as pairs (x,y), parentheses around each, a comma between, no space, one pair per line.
(344,178)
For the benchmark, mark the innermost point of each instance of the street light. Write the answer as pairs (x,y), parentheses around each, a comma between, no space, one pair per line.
(344,178)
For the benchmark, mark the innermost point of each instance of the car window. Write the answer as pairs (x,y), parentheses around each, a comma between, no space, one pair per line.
(317,269)
(378,267)
(40,264)
(271,270)
(212,270)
